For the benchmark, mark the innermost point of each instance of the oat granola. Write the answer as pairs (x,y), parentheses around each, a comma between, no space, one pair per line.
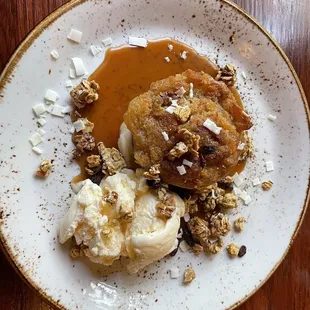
(44,169)
(89,126)
(228,201)
(84,142)
(266,186)
(177,151)
(112,160)
(165,210)
(182,113)
(213,247)
(191,140)
(232,249)
(153,173)
(197,249)
(239,223)
(85,93)
(199,229)
(189,275)
(248,147)
(219,225)
(228,75)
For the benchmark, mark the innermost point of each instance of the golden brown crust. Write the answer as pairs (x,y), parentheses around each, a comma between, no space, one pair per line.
(147,118)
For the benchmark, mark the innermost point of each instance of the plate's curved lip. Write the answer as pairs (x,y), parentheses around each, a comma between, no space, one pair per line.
(45,23)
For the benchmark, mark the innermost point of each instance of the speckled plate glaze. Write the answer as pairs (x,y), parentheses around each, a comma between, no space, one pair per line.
(31,209)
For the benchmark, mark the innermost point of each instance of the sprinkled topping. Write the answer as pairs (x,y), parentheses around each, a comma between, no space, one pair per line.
(191,90)
(107,42)
(41,132)
(181,169)
(69,83)
(266,186)
(237,191)
(57,110)
(269,166)
(170,109)
(79,125)
(67,109)
(165,135)
(54,54)
(184,246)
(243,75)
(245,197)
(238,180)
(41,121)
(75,36)
(141,42)
(187,163)
(180,92)
(36,139)
(167,59)
(184,55)
(174,272)
(212,126)
(272,117)
(79,66)
(39,109)
(170,47)
(72,74)
(241,146)
(51,96)
(37,150)
(256,182)
(186,217)
(95,50)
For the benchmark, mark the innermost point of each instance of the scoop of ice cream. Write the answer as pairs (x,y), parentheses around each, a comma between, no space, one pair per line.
(87,222)
(150,238)
(125,145)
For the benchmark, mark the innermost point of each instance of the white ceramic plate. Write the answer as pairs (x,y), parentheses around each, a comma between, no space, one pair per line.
(31,208)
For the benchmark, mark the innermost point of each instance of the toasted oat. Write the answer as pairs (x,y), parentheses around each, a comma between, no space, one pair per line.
(84,142)
(110,197)
(266,186)
(199,229)
(219,225)
(189,275)
(165,210)
(85,93)
(239,223)
(248,149)
(112,159)
(177,151)
(228,201)
(232,249)
(163,194)
(191,205)
(153,173)
(93,161)
(191,140)
(228,75)
(182,113)
(211,199)
(213,247)
(197,249)
(45,169)
(89,126)
(76,251)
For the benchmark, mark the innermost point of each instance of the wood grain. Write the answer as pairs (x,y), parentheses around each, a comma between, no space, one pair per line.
(288,22)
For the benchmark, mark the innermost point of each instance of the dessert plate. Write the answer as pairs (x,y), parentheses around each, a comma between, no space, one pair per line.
(31,208)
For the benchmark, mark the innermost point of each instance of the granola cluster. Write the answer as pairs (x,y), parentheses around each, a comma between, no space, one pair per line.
(166,205)
(247,147)
(182,114)
(228,75)
(45,169)
(85,93)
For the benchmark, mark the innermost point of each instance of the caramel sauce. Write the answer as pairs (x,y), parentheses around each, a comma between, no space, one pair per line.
(127,72)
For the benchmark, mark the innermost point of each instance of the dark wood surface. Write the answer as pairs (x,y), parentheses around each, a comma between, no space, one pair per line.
(288,21)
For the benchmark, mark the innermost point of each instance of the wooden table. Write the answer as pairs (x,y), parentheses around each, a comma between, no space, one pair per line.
(288,21)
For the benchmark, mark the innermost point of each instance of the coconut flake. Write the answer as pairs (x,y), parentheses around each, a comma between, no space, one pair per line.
(238,180)
(51,96)
(240,146)
(141,42)
(170,109)
(187,163)
(180,234)
(272,117)
(191,90)
(41,122)
(237,191)
(69,84)
(212,126)
(165,135)
(39,109)
(245,197)
(174,272)
(184,246)
(186,217)
(95,50)
(72,74)
(170,47)
(75,35)
(67,109)
(269,166)
(184,55)
(243,75)
(79,66)
(41,132)
(181,170)
(37,150)
(57,110)
(54,54)
(36,139)
(256,182)
(79,125)
(107,42)
(167,59)
(180,92)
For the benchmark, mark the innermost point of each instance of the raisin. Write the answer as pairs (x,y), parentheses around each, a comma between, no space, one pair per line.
(153,183)
(96,178)
(242,251)
(188,237)
(225,185)
(207,149)
(182,192)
